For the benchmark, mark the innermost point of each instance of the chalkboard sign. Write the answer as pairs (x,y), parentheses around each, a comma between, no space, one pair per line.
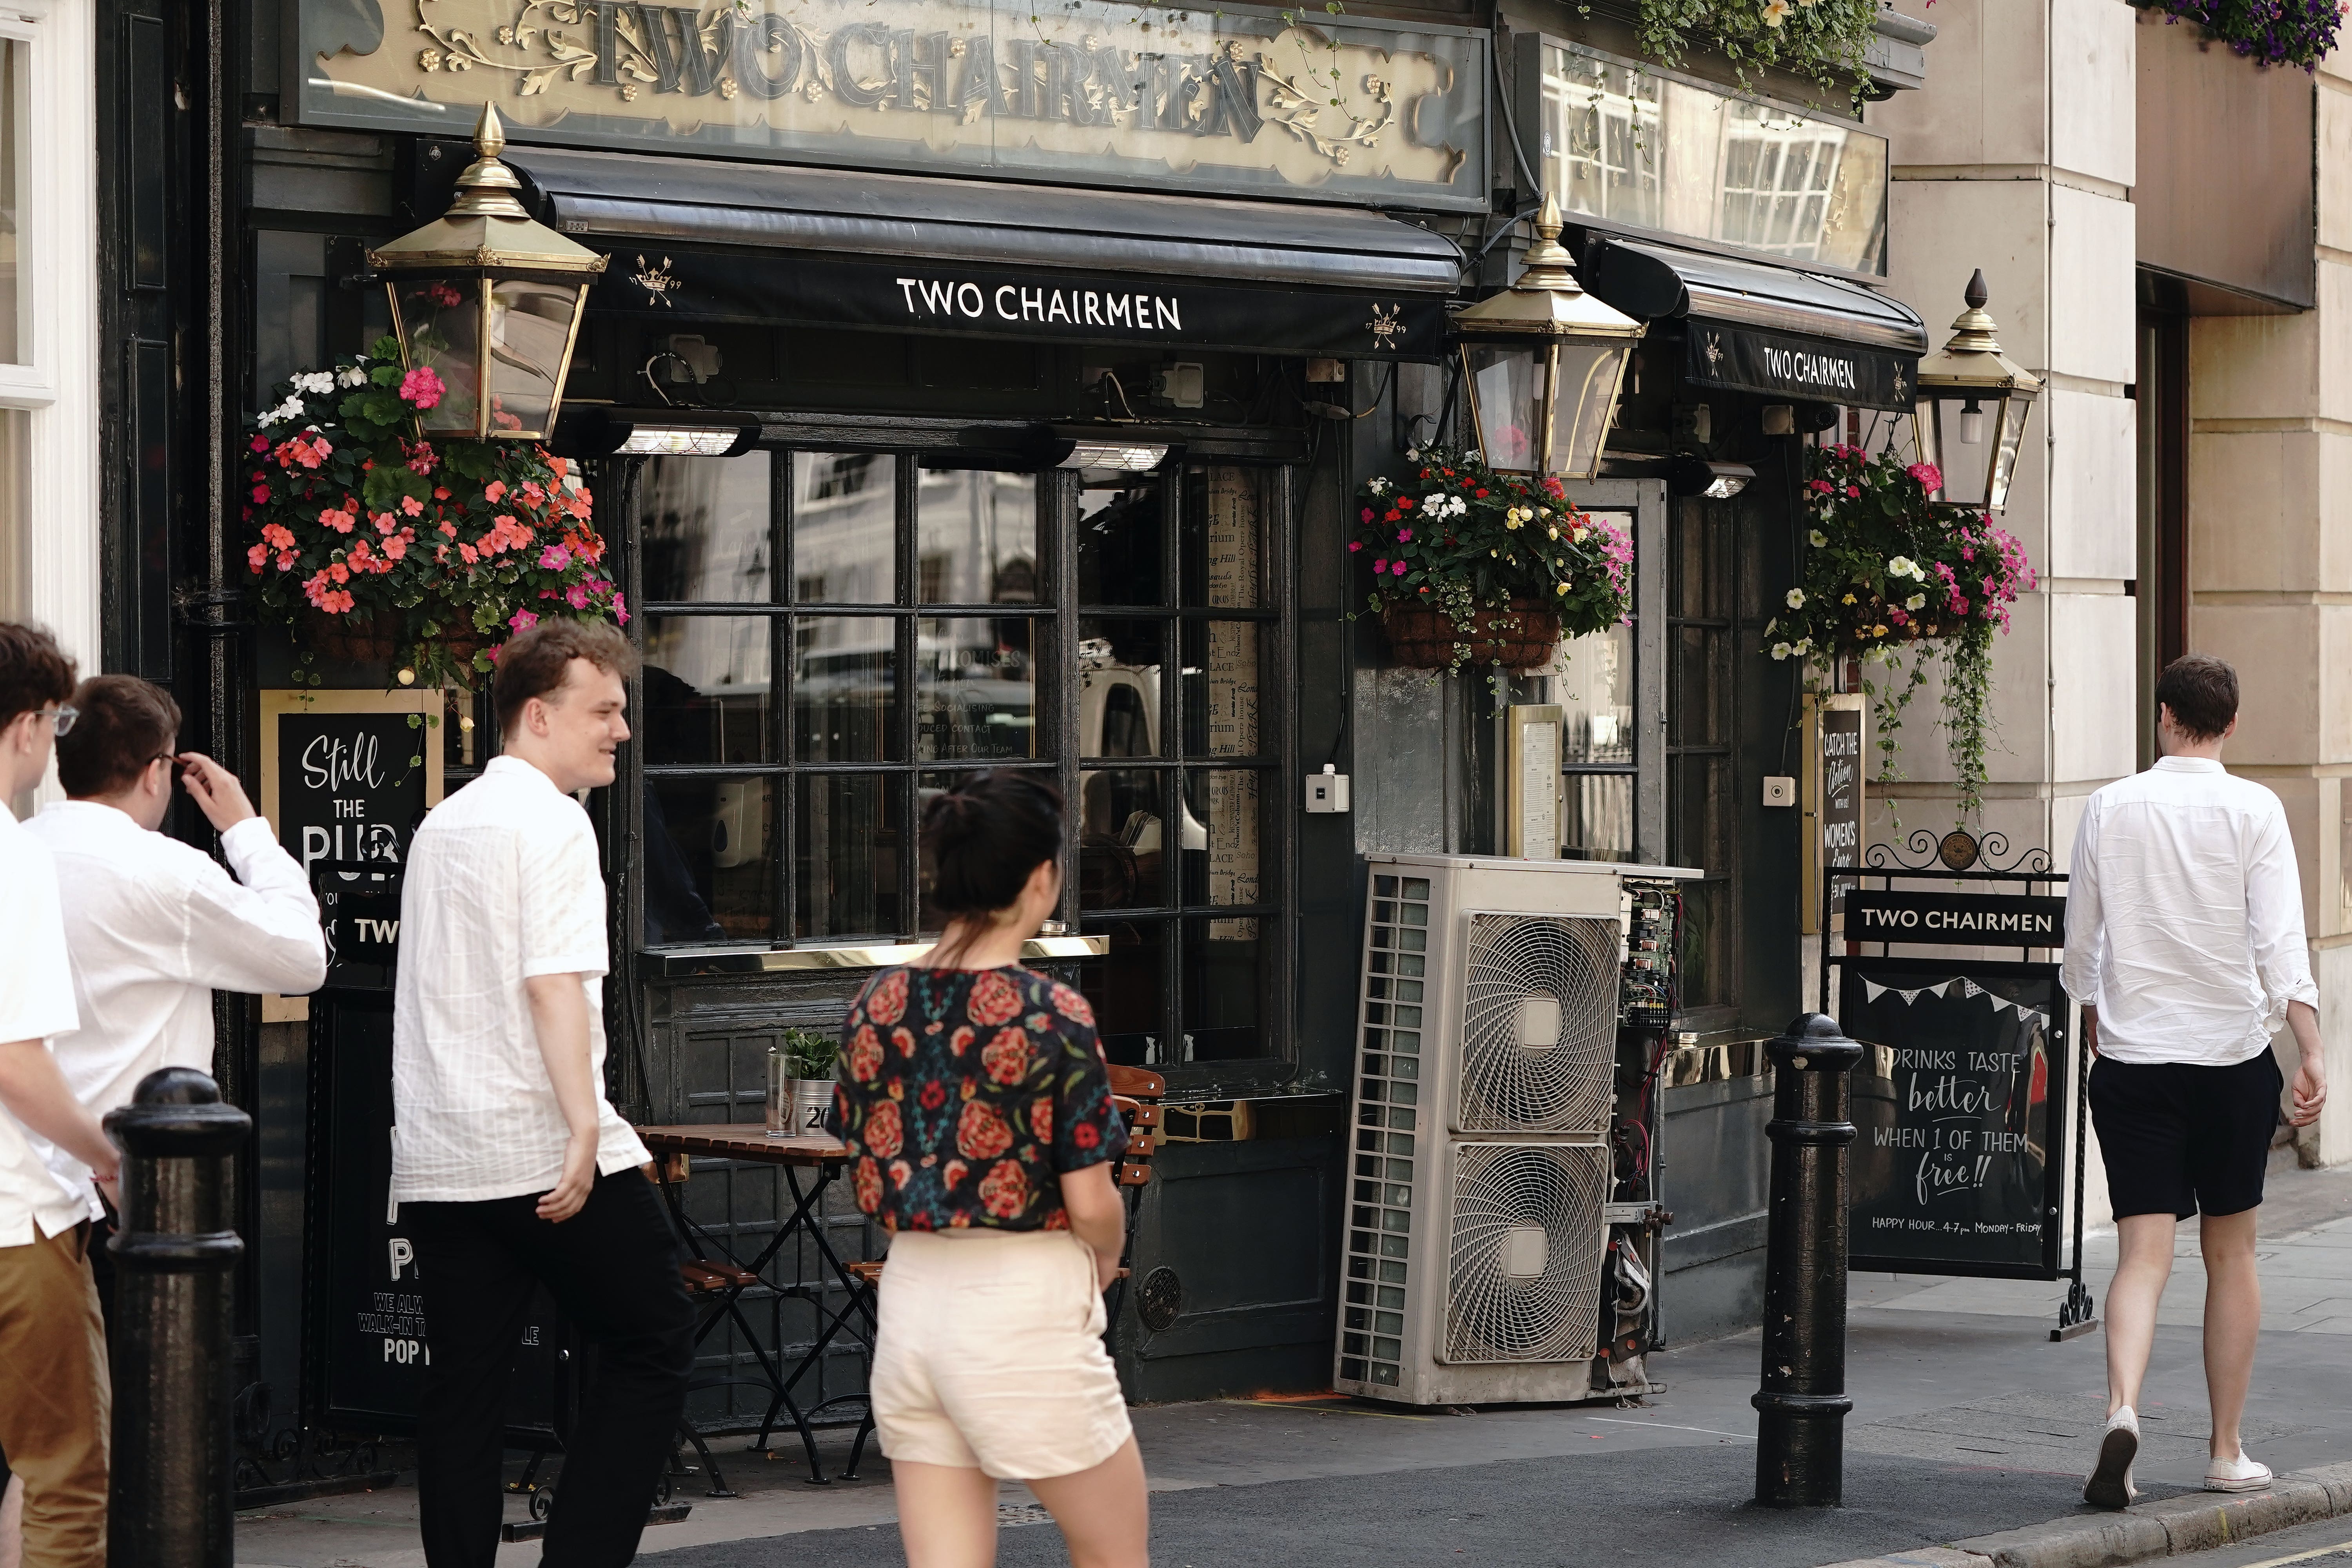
(367,1329)
(1956,1105)
(1834,801)
(346,776)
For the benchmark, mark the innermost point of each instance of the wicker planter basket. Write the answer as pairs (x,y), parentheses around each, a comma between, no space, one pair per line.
(1521,637)
(373,639)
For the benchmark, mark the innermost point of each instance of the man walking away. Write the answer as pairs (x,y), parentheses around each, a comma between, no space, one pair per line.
(154,926)
(2185,947)
(55,1399)
(510,1166)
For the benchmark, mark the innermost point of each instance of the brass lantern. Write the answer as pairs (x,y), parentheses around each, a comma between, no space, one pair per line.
(1542,361)
(490,300)
(1973,404)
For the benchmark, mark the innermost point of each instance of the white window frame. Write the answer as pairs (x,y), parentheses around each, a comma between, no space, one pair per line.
(32,382)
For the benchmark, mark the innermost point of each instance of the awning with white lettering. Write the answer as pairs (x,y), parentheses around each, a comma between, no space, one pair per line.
(707,240)
(1778,332)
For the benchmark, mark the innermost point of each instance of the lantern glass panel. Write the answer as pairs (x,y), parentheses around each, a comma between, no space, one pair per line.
(440,325)
(530,333)
(1506,390)
(2012,413)
(1588,397)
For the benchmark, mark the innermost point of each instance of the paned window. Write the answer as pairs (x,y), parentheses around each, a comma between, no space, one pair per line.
(1591,679)
(13,53)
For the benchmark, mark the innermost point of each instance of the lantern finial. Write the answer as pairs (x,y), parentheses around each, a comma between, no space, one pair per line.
(1548,264)
(488,188)
(1973,331)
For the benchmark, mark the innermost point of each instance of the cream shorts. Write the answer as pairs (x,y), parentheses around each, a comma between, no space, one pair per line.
(990,1355)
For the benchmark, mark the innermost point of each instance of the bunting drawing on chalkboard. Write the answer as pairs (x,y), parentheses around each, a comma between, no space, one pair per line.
(1958,988)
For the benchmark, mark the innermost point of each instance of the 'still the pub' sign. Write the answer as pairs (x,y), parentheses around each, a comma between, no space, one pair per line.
(1077,91)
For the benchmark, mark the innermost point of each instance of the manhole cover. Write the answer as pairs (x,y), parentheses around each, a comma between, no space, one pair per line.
(1159,1299)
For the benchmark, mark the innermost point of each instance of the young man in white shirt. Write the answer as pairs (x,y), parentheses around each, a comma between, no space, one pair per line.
(54,1399)
(154,926)
(510,1167)
(2185,947)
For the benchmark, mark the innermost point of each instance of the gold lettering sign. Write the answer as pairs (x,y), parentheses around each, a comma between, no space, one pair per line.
(1080,92)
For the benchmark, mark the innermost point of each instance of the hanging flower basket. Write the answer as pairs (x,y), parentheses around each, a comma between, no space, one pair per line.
(1523,637)
(1889,576)
(1470,567)
(375,547)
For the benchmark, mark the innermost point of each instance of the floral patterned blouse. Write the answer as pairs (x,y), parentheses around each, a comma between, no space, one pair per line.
(965,1094)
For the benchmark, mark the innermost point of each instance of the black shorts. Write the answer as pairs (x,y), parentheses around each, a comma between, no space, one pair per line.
(2178,1138)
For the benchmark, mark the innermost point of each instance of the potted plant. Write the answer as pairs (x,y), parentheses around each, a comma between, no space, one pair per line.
(800,1082)
(1474,566)
(373,543)
(1890,577)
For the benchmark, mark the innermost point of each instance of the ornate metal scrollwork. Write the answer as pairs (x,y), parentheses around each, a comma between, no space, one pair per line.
(1956,851)
(290,1457)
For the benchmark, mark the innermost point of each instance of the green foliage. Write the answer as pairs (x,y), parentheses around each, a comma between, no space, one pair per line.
(1823,40)
(808,1054)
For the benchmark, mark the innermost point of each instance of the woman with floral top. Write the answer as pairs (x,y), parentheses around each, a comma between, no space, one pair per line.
(976,1107)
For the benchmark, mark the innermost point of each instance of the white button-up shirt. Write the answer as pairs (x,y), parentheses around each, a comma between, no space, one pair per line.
(502,884)
(2184,916)
(37,1003)
(155,927)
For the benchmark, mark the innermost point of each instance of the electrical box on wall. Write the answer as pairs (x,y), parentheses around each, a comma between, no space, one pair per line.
(1528,781)
(1326,791)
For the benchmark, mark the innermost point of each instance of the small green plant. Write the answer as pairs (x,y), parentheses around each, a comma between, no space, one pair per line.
(1825,41)
(809,1054)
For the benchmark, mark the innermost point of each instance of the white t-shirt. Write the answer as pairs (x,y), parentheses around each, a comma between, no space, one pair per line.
(37,1003)
(2184,916)
(154,926)
(502,884)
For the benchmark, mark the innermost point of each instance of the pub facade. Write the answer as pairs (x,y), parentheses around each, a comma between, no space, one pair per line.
(969,388)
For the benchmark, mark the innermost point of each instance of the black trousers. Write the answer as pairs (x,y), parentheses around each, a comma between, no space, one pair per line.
(613,1270)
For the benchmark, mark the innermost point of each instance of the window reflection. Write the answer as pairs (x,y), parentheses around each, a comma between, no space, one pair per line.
(1629,147)
(1122,847)
(976,689)
(702,525)
(1221,689)
(1120,533)
(975,538)
(707,690)
(845,855)
(1597,821)
(1126,989)
(845,534)
(1220,975)
(711,872)
(843,681)
(1591,679)
(1220,539)
(1221,836)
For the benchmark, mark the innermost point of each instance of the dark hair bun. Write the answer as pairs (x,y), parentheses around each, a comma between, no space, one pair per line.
(983,836)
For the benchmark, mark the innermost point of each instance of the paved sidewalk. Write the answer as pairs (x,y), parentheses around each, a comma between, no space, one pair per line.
(1967,1421)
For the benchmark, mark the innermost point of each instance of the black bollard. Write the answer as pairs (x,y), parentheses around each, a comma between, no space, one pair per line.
(169,1502)
(1801,1427)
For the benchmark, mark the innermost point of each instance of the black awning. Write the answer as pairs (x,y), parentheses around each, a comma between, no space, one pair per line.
(977,257)
(1775,330)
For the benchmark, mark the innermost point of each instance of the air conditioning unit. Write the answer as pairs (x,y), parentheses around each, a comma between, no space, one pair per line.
(1485,1215)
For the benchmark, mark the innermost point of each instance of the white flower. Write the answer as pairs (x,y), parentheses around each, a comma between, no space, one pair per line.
(1796,598)
(1775,12)
(1915,602)
(352,377)
(1575,535)
(266,417)
(1804,645)
(1412,454)
(1377,485)
(1817,539)
(1918,572)
(1900,567)
(317,383)
(1782,650)
(1772,626)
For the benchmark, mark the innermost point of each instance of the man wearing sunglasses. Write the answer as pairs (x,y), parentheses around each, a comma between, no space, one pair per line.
(155,926)
(54,1399)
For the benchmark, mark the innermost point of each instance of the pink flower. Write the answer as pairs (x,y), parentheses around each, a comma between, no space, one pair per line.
(555,558)
(621,609)
(277,536)
(1354,545)
(261,495)
(1927,476)
(522,620)
(494,489)
(412,506)
(577,596)
(1404,536)
(1896,615)
(256,556)
(1396,568)
(1854,493)
(1368,515)
(422,387)
(1381,566)
(336,517)
(261,442)
(1823,487)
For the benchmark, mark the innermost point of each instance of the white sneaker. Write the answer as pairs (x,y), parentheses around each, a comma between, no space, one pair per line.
(2239,1474)
(2110,1483)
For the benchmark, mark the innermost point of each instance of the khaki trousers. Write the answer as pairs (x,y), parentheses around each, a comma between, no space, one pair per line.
(55,1404)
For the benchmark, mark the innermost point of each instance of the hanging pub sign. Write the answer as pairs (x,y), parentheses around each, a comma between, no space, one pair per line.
(909,296)
(1956,1107)
(1809,369)
(1261,103)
